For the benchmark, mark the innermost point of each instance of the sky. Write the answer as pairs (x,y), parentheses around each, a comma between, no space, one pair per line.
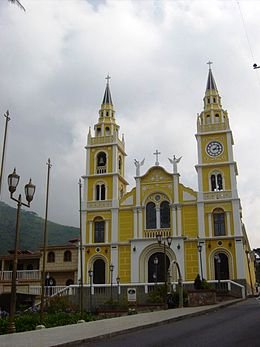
(53,62)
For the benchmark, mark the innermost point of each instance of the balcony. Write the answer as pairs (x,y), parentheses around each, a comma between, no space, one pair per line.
(151,233)
(21,275)
(213,127)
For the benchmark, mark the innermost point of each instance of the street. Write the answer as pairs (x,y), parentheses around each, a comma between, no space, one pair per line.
(237,325)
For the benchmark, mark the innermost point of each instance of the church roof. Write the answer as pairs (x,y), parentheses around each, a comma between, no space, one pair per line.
(211,84)
(107,96)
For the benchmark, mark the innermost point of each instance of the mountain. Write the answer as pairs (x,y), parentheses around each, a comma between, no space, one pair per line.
(31,230)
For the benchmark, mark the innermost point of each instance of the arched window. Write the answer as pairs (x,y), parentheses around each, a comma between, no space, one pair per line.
(219,222)
(100,192)
(98,131)
(208,119)
(165,214)
(217,118)
(67,256)
(101,162)
(150,216)
(216,181)
(99,271)
(51,257)
(99,231)
(107,131)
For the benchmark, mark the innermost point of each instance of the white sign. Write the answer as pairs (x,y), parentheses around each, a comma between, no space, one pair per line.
(131,294)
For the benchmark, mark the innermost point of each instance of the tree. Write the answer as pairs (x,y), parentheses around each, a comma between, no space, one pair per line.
(17,2)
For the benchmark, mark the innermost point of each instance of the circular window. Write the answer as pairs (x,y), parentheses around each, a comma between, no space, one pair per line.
(220,243)
(157,197)
(98,249)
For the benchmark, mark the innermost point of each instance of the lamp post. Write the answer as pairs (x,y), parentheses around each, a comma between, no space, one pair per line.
(111,268)
(118,287)
(169,241)
(80,252)
(7,118)
(13,180)
(201,268)
(155,261)
(45,238)
(90,273)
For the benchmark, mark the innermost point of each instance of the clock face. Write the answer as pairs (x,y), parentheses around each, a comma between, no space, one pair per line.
(214,148)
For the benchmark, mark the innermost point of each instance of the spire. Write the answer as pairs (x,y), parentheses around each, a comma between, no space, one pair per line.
(211,84)
(107,100)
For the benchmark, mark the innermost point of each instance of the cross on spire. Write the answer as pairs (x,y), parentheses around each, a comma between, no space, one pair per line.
(157,153)
(209,64)
(108,78)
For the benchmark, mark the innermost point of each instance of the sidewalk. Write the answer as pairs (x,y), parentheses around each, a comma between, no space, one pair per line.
(72,335)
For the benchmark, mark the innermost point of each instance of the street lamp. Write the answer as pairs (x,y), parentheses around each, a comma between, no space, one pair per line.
(200,250)
(155,261)
(111,268)
(169,241)
(118,287)
(13,180)
(90,273)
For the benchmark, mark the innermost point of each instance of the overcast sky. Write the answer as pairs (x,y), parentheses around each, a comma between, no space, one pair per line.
(53,62)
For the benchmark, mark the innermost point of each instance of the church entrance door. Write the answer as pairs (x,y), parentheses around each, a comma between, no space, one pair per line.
(99,271)
(156,267)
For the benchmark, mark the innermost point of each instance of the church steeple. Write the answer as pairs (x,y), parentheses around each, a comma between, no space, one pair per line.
(107,100)
(211,84)
(213,116)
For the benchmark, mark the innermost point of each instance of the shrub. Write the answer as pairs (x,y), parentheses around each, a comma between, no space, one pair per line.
(201,284)
(157,295)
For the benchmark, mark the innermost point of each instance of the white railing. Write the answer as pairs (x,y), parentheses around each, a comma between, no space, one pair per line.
(151,233)
(21,275)
(105,289)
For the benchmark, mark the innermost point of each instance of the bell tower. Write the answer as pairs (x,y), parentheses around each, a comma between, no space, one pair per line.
(104,185)
(219,209)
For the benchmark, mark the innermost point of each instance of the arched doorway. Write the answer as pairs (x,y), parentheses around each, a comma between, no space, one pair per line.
(156,267)
(221,266)
(99,268)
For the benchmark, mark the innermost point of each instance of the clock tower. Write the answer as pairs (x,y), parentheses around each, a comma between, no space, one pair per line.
(219,210)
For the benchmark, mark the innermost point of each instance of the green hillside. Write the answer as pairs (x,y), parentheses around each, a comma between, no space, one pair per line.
(31,230)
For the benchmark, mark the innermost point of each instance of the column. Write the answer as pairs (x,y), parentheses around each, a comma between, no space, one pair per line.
(90,232)
(210,224)
(228,224)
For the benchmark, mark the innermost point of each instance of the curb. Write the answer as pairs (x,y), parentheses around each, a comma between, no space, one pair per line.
(148,325)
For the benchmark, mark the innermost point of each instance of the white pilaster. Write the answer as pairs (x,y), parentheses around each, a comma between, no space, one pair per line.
(174,221)
(135,223)
(236,217)
(114,261)
(201,222)
(240,259)
(90,231)
(158,217)
(140,222)
(106,231)
(114,225)
(179,221)
(210,224)
(228,223)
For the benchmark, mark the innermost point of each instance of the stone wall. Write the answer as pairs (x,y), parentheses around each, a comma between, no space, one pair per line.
(201,297)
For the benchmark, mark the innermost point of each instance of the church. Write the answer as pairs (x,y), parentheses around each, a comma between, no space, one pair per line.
(137,235)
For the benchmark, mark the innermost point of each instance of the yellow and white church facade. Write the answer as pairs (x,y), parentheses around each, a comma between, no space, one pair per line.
(201,230)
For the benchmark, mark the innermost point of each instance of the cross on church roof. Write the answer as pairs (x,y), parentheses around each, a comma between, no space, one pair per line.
(209,64)
(108,78)
(157,153)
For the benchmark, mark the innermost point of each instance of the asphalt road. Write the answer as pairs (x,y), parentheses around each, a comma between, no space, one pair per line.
(237,325)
